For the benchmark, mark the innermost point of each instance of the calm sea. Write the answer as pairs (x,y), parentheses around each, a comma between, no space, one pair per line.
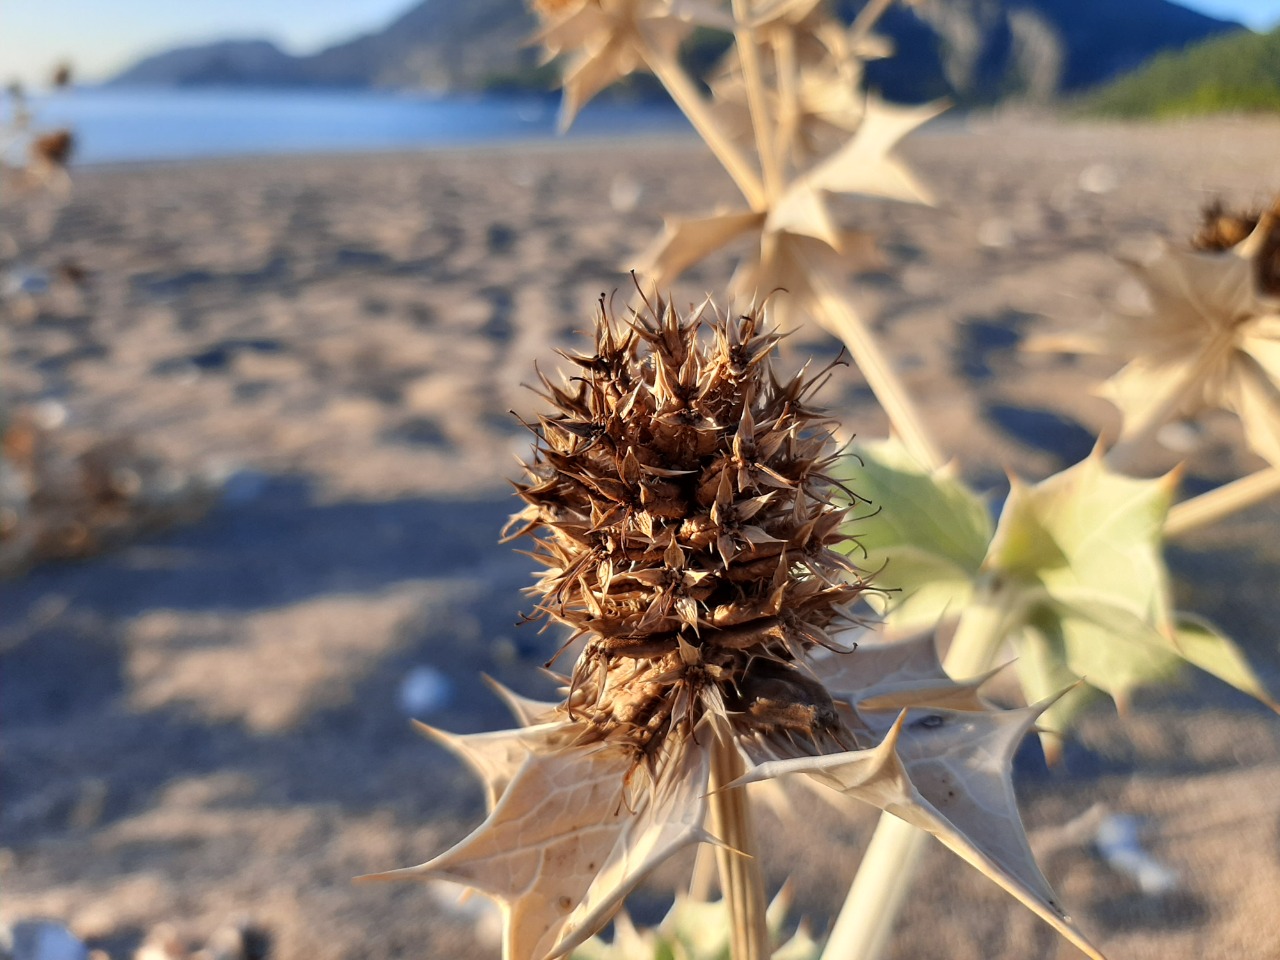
(113,126)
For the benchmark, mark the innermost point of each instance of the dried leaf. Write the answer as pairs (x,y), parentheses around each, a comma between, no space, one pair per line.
(949,773)
(496,757)
(894,675)
(568,840)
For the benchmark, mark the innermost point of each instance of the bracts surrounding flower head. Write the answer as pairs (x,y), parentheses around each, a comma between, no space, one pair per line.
(679,503)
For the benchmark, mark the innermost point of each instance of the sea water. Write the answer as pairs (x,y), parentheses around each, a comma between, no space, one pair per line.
(123,125)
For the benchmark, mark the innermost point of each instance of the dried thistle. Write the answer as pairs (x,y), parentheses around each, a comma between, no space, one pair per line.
(63,500)
(679,503)
(683,516)
(53,150)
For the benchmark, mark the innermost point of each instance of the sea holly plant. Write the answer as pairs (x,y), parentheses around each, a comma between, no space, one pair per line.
(680,502)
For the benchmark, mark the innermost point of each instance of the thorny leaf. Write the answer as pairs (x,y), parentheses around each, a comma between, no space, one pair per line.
(796,237)
(927,538)
(948,773)
(496,757)
(1211,339)
(893,674)
(1075,562)
(603,41)
(569,839)
(1201,644)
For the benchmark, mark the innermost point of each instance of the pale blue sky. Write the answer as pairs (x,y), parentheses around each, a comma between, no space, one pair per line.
(101,36)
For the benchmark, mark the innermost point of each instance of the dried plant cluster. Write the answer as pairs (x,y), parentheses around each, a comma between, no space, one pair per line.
(65,498)
(683,514)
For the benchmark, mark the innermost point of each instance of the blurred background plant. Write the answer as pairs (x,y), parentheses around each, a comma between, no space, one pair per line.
(64,494)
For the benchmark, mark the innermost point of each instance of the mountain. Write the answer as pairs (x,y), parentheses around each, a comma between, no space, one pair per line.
(973,50)
(226,63)
(1239,72)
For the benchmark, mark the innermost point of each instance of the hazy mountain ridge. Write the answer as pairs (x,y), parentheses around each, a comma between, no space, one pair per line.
(971,50)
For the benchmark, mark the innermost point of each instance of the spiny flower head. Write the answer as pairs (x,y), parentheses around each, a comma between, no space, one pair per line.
(682,514)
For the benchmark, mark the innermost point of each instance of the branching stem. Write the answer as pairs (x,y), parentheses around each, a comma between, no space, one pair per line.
(1221,502)
(694,107)
(877,369)
(753,79)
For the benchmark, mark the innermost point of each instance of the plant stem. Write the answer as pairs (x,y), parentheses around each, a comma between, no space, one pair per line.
(741,881)
(866,19)
(884,877)
(877,370)
(694,107)
(749,58)
(784,59)
(1221,502)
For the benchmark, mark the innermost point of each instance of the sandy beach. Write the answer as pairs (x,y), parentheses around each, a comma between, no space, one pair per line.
(210,726)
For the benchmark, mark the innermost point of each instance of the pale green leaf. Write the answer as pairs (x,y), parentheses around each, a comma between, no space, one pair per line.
(932,512)
(1214,653)
(921,588)
(1042,670)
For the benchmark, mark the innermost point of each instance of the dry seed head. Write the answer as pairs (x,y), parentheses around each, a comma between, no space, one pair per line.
(53,149)
(679,505)
(1222,229)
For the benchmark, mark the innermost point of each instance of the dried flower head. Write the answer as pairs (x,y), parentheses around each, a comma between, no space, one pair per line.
(679,503)
(683,516)
(53,149)
(1221,229)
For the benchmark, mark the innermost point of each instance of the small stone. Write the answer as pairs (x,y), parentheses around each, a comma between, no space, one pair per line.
(625,192)
(41,940)
(1180,436)
(424,690)
(1099,178)
(996,233)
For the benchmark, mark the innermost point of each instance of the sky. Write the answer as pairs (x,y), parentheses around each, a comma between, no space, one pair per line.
(102,36)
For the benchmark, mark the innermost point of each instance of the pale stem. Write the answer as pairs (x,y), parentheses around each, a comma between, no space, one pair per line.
(877,370)
(861,931)
(1123,455)
(741,880)
(753,78)
(784,58)
(694,107)
(1221,502)
(866,19)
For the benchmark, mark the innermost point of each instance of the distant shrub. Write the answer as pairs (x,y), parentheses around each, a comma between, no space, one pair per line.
(1236,73)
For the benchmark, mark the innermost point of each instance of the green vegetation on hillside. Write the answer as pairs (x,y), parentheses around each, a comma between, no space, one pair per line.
(1236,73)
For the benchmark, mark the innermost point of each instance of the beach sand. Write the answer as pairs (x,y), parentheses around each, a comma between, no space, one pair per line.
(210,726)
